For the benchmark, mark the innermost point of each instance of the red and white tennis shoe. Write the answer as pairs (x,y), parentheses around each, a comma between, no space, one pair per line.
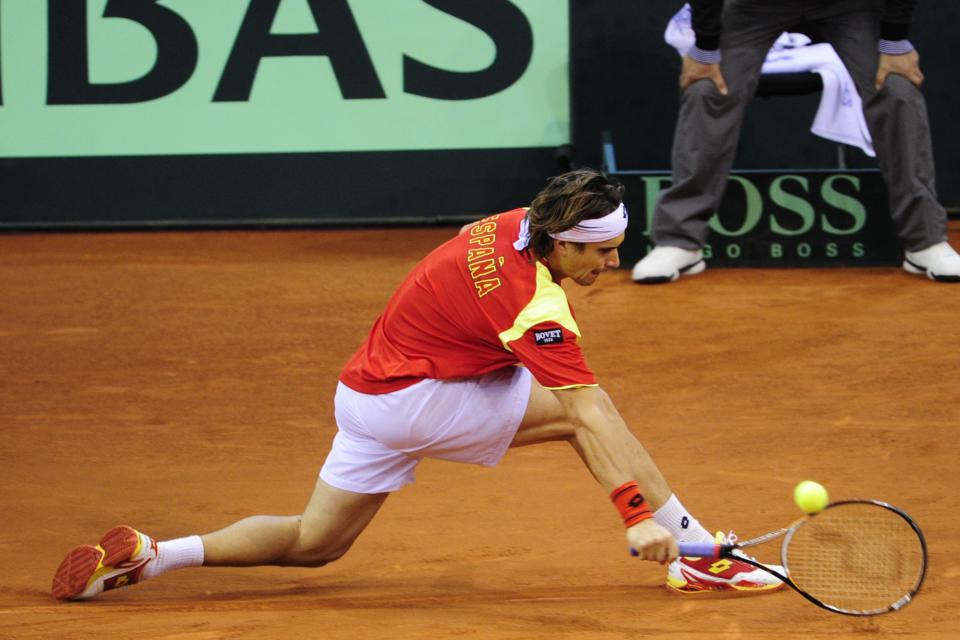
(118,561)
(697,575)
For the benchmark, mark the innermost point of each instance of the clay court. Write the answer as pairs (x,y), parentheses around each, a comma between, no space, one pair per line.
(180,381)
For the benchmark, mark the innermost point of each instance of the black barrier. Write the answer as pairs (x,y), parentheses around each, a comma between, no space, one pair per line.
(622,77)
(814,218)
(778,218)
(268,190)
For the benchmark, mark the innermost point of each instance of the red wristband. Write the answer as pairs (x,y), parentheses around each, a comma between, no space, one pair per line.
(630,503)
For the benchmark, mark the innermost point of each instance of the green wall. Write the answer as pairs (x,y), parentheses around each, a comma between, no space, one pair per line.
(264,76)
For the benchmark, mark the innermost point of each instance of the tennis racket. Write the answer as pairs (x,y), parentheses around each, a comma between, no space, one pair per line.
(856,557)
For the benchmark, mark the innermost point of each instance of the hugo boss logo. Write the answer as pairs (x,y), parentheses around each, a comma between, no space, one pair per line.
(799,218)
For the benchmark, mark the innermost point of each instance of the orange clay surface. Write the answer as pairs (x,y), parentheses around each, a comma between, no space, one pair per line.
(180,381)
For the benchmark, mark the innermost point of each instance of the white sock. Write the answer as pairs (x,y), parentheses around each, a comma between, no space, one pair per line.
(673,517)
(175,554)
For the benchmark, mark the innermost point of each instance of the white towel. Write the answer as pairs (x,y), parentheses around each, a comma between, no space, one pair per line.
(840,114)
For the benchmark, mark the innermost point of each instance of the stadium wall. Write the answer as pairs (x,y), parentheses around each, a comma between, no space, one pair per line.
(142,114)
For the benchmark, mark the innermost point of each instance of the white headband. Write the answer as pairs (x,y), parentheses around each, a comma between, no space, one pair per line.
(598,229)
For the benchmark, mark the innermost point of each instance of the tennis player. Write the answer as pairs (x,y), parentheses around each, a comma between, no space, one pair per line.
(477,351)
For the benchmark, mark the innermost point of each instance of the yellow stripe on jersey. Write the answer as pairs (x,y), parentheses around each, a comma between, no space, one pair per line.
(571,386)
(549,304)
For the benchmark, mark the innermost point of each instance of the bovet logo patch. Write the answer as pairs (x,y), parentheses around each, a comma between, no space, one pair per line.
(548,336)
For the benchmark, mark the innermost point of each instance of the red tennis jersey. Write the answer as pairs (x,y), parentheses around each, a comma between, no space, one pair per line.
(473,305)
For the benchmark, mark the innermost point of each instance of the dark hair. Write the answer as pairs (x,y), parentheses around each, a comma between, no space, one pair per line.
(568,199)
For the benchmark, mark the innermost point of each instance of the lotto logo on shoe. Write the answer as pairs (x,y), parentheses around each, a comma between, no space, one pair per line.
(549,336)
(720,566)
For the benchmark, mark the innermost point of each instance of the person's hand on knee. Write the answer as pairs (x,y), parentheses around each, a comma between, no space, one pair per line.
(906,65)
(693,71)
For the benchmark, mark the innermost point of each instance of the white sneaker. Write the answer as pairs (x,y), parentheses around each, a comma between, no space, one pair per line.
(697,575)
(940,262)
(666,264)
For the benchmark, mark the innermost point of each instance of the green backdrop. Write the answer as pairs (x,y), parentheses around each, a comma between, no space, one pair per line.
(268,76)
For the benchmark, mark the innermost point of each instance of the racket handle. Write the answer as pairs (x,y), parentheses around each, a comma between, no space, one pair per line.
(693,550)
(700,549)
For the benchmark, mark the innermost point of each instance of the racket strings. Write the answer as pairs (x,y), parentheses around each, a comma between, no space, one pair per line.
(856,558)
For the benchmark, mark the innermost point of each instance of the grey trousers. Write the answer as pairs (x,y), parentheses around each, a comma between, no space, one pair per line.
(708,124)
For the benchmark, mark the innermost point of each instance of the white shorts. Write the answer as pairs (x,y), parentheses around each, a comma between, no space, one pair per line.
(381,438)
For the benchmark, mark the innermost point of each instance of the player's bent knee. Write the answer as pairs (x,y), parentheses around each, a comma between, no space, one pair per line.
(315,556)
(319,546)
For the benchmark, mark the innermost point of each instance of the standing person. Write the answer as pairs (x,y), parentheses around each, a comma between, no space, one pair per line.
(437,377)
(719,77)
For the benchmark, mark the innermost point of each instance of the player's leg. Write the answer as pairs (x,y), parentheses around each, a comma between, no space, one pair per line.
(356,478)
(331,522)
(546,421)
(359,473)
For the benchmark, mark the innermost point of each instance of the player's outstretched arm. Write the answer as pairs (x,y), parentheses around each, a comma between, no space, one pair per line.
(615,456)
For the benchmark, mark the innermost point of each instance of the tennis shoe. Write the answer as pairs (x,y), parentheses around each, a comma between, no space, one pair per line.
(666,264)
(118,561)
(698,575)
(939,262)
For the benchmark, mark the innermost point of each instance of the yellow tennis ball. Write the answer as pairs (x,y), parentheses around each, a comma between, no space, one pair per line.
(810,496)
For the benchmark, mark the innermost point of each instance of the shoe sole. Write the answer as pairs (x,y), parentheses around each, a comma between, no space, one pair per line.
(690,270)
(688,588)
(84,562)
(916,269)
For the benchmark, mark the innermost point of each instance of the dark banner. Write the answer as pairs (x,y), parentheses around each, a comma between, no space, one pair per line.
(780,219)
(276,189)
